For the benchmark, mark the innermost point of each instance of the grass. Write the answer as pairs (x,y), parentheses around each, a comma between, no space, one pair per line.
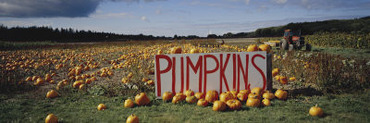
(4,45)
(82,108)
(21,101)
(345,52)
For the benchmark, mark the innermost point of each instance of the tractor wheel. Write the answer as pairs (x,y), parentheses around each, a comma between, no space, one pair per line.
(308,47)
(284,44)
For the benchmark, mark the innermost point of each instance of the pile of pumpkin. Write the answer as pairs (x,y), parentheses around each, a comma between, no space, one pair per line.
(226,100)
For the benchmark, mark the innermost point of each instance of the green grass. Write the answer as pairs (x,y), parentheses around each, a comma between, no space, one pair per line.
(80,107)
(345,52)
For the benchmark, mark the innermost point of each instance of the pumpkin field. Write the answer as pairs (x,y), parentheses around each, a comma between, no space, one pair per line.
(114,82)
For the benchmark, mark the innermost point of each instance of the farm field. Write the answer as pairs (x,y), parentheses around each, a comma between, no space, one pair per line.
(85,75)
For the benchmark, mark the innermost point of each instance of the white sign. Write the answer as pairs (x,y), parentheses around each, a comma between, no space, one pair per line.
(214,71)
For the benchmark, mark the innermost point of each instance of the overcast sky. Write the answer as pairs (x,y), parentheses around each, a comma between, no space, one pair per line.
(170,17)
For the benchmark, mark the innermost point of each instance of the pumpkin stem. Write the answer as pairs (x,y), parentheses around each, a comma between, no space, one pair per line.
(316,105)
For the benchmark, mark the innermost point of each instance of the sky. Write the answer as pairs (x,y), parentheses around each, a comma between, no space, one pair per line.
(175,17)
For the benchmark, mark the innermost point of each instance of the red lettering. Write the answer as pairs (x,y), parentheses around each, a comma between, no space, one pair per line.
(174,75)
(222,71)
(159,72)
(182,74)
(259,69)
(245,73)
(195,68)
(206,71)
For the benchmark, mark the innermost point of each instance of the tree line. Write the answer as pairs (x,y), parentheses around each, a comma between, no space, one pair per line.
(350,26)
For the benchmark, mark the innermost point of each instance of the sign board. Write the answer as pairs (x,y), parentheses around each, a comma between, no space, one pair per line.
(212,71)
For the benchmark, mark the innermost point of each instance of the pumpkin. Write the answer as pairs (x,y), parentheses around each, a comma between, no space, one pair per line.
(167,96)
(142,99)
(265,47)
(245,91)
(51,94)
(34,78)
(128,103)
(88,81)
(199,95)
(39,81)
(101,106)
(252,102)
(176,50)
(225,96)
(189,92)
(29,79)
(211,96)
(195,50)
(283,80)
(266,102)
(144,79)
(316,111)
(235,93)
(275,71)
(159,52)
(277,77)
(51,118)
(77,84)
(191,99)
(281,95)
(292,78)
(234,104)
(253,96)
(242,96)
(252,48)
(202,102)
(219,105)
(82,87)
(181,95)
(268,95)
(132,119)
(47,77)
(177,98)
(256,91)
(150,82)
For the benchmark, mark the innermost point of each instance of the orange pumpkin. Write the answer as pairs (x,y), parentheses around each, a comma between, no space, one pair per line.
(181,95)
(245,91)
(316,111)
(51,118)
(283,80)
(211,96)
(199,95)
(192,51)
(129,103)
(235,93)
(177,98)
(251,102)
(189,93)
(51,94)
(268,95)
(234,104)
(167,96)
(292,78)
(242,96)
(252,48)
(191,99)
(266,102)
(219,105)
(176,50)
(281,95)
(265,47)
(77,84)
(225,96)
(275,71)
(132,119)
(101,106)
(142,99)
(253,96)
(202,102)
(256,91)
(39,81)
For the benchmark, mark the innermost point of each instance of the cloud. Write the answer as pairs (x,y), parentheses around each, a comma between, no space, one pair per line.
(110,15)
(280,1)
(53,8)
(144,18)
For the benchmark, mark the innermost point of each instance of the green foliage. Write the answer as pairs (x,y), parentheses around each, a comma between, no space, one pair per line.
(341,40)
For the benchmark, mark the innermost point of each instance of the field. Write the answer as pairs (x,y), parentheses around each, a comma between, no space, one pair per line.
(111,72)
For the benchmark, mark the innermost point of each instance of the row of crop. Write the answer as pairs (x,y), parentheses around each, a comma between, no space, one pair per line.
(341,40)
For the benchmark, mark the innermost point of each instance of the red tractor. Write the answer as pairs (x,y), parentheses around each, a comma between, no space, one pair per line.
(293,40)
